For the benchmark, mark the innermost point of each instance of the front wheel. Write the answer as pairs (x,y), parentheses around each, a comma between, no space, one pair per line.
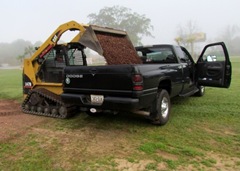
(200,92)
(160,109)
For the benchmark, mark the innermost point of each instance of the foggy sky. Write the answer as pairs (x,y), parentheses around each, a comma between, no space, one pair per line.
(36,20)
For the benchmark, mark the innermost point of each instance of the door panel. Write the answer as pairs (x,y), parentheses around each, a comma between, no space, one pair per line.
(214,66)
(188,71)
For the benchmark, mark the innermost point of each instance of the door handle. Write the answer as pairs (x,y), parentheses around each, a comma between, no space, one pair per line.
(214,68)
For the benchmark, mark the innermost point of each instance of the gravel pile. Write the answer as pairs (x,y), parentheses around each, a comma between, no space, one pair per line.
(117,49)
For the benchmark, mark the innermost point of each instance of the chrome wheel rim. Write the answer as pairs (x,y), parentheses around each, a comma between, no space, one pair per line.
(164,107)
(202,89)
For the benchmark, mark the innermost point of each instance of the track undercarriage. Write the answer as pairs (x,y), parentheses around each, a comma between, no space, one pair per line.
(45,103)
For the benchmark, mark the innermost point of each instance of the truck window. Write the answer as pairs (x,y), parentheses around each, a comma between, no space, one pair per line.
(183,55)
(157,55)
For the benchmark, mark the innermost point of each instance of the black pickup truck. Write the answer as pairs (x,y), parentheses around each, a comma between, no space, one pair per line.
(167,71)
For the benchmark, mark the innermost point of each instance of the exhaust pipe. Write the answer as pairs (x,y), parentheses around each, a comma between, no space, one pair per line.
(141,112)
(94,110)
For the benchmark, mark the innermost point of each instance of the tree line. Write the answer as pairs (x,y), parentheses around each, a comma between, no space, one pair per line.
(13,53)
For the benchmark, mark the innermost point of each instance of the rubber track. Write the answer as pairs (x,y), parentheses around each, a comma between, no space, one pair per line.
(50,96)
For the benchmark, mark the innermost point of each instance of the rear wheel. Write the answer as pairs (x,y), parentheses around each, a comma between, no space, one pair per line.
(160,110)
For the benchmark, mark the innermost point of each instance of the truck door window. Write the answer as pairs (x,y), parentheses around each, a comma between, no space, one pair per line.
(214,54)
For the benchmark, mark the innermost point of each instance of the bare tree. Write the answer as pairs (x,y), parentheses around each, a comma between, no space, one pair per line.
(189,34)
(28,51)
(184,33)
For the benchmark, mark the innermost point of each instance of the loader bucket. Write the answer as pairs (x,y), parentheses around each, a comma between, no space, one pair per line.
(113,44)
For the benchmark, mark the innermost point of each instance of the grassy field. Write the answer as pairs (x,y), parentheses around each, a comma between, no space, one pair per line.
(11,84)
(202,134)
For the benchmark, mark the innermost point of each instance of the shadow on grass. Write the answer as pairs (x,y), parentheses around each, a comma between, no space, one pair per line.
(123,120)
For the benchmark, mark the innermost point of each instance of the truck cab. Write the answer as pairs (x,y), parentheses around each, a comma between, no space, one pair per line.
(213,67)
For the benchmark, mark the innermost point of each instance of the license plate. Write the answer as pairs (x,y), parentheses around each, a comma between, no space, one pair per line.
(97,99)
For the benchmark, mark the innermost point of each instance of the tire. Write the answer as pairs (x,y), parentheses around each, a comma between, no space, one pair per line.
(201,91)
(160,110)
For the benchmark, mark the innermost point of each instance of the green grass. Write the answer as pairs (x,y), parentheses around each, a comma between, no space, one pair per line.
(11,84)
(201,133)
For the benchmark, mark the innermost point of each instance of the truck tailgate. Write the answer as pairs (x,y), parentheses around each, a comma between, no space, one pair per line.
(110,79)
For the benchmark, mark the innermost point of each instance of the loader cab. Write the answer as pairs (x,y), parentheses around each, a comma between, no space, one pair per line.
(62,55)
(75,54)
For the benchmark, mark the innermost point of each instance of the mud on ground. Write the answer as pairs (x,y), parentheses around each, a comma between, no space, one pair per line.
(12,121)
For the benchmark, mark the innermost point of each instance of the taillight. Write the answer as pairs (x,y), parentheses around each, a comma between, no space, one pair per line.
(138,87)
(137,82)
(137,78)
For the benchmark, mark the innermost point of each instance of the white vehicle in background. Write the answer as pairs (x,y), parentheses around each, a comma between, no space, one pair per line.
(211,58)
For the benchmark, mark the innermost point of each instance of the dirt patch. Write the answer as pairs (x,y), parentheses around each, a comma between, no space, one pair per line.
(223,162)
(9,107)
(123,164)
(226,131)
(213,161)
(167,155)
(87,142)
(13,122)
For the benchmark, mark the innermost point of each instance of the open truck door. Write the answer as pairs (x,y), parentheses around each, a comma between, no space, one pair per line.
(213,67)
